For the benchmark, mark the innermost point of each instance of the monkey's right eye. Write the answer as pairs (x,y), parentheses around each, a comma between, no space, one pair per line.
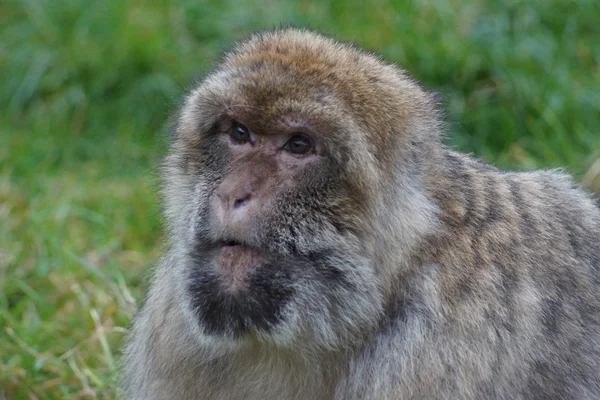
(239,133)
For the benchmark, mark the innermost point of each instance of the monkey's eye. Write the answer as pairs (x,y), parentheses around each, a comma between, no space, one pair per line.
(240,133)
(299,144)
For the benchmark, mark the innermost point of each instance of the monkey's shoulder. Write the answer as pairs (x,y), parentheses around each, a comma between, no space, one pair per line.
(482,197)
(513,225)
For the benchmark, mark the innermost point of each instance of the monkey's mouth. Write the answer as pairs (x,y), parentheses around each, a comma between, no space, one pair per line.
(234,260)
(230,243)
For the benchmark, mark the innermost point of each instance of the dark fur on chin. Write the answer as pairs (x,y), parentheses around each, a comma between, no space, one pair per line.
(257,307)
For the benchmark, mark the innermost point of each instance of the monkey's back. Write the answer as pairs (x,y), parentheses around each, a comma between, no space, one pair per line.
(514,284)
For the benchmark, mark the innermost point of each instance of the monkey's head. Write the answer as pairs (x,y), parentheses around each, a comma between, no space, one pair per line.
(293,189)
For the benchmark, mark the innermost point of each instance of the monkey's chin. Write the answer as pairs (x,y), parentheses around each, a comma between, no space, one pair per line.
(237,291)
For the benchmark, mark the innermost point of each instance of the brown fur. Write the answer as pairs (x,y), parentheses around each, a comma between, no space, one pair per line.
(411,271)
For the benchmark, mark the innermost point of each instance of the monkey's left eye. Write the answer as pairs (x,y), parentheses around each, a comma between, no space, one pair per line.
(299,144)
(240,133)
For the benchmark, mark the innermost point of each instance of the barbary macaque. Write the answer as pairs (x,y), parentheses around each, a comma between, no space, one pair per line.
(325,244)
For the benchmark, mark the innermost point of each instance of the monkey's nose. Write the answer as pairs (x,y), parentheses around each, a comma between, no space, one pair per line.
(234,199)
(242,201)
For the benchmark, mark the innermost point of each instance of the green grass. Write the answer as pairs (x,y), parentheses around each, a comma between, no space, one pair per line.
(86,89)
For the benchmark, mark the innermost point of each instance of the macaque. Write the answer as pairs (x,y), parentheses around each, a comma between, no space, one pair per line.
(325,244)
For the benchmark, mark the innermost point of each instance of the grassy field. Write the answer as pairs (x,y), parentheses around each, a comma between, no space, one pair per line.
(86,89)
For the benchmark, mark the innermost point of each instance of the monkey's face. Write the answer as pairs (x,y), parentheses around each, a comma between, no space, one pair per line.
(268,192)
(272,243)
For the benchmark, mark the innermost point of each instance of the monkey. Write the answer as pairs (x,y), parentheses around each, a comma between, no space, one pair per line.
(324,243)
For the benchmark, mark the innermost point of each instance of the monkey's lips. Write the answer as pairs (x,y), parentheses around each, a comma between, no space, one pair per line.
(234,260)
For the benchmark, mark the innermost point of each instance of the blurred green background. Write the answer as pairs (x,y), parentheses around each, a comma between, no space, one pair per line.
(86,89)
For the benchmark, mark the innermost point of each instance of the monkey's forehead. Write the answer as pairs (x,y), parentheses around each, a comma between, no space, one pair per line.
(299,73)
(307,52)
(296,61)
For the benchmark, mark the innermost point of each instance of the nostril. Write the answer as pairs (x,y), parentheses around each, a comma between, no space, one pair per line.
(241,202)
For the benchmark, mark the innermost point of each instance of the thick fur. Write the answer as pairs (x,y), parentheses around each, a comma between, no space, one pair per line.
(400,270)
